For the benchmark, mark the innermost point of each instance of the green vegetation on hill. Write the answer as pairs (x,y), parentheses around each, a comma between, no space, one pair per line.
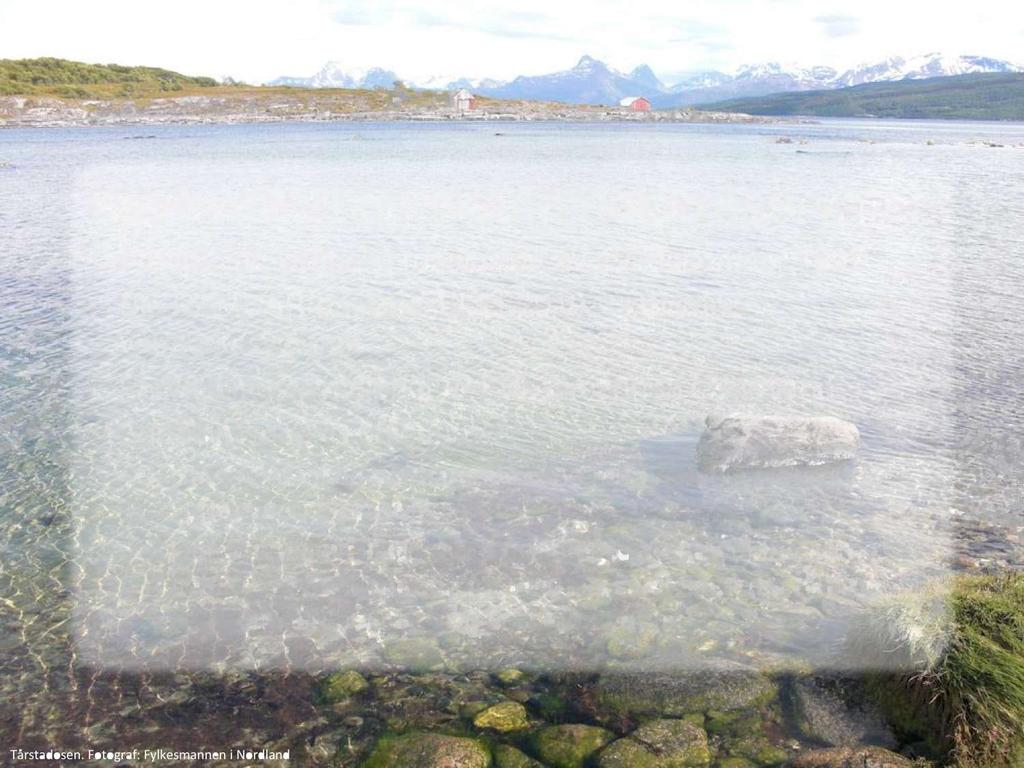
(75,80)
(963,97)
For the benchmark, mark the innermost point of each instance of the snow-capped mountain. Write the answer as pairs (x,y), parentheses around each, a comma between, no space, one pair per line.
(644,76)
(453,83)
(696,80)
(764,79)
(922,67)
(333,75)
(589,82)
(593,82)
(750,80)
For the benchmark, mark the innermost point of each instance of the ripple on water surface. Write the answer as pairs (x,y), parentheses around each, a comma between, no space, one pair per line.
(437,396)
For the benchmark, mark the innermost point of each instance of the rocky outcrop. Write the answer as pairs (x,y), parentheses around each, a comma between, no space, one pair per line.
(737,442)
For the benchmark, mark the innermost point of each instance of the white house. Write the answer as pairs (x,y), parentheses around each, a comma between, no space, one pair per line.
(463,100)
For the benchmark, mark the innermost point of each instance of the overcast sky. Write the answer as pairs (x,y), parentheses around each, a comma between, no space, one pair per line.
(257,40)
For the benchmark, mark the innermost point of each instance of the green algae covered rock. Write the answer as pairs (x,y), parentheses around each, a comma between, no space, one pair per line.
(341,686)
(509,677)
(428,750)
(570,746)
(678,695)
(505,717)
(852,757)
(735,762)
(743,737)
(510,757)
(471,709)
(659,744)
(758,750)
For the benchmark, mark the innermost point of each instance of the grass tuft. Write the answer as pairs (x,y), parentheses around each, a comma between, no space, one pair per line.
(962,690)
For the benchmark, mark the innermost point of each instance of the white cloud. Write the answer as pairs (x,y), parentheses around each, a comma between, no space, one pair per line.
(838,25)
(260,39)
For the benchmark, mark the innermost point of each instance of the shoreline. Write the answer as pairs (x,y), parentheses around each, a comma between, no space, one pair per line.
(331,107)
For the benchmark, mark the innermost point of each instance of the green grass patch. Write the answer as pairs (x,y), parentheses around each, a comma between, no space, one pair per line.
(968,704)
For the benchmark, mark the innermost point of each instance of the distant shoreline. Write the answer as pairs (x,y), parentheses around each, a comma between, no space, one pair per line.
(253,106)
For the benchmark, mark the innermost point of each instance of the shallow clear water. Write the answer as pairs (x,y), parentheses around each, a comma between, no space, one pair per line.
(295,396)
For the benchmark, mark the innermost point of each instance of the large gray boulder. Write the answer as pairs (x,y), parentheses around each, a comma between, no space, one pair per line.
(738,442)
(836,712)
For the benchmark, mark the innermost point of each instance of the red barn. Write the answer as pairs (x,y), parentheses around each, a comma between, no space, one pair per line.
(636,104)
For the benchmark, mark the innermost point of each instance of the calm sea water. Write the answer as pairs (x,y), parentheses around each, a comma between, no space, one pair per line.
(295,396)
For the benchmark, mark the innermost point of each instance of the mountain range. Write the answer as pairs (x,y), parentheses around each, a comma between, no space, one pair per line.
(593,82)
(333,76)
(971,96)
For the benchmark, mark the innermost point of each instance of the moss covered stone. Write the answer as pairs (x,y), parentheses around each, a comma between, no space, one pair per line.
(509,677)
(570,746)
(742,736)
(505,717)
(510,757)
(757,749)
(735,762)
(850,757)
(471,709)
(668,695)
(428,750)
(549,706)
(659,744)
(733,723)
(341,686)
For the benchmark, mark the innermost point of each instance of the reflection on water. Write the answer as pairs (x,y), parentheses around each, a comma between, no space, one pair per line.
(275,399)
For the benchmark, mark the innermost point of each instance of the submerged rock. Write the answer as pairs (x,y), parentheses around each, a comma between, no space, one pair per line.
(846,757)
(570,746)
(835,712)
(744,738)
(428,750)
(510,757)
(340,686)
(505,717)
(739,442)
(629,639)
(414,654)
(647,694)
(659,744)
(509,677)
